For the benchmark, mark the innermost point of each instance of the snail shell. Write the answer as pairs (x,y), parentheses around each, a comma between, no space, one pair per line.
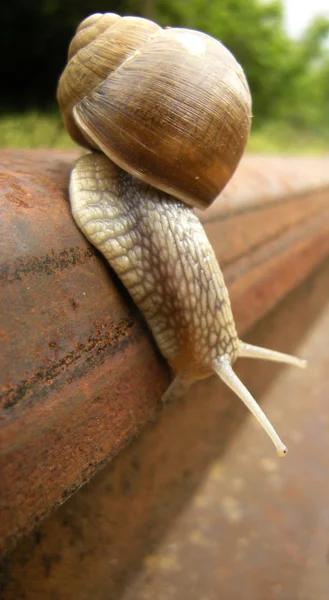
(171,107)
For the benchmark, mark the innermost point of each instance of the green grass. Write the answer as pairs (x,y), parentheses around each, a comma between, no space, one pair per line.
(45,130)
(34,130)
(280,138)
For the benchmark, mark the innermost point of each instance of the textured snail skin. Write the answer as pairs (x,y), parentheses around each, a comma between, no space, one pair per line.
(170,110)
(160,251)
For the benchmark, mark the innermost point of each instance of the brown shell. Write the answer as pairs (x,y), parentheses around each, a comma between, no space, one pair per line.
(171,107)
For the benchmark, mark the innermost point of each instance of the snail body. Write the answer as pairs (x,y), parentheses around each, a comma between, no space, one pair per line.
(167,115)
(143,233)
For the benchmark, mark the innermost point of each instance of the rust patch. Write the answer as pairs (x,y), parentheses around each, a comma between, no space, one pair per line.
(47,264)
(99,346)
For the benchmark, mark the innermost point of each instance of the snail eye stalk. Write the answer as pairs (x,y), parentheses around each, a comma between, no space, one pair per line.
(224,370)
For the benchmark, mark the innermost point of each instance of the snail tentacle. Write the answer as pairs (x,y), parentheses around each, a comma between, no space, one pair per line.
(224,370)
(250,351)
(179,385)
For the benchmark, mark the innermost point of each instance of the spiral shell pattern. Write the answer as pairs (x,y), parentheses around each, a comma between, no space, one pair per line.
(170,106)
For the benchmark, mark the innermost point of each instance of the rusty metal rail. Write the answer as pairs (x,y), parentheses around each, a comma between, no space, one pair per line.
(80,374)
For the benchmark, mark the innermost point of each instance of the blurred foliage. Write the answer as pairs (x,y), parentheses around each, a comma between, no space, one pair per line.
(289,79)
(34,129)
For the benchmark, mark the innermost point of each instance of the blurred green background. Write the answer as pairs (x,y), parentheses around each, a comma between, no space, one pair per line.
(289,78)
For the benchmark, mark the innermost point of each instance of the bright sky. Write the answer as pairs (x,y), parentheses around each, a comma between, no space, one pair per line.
(298,13)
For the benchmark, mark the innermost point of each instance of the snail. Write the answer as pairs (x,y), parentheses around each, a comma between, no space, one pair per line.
(165,114)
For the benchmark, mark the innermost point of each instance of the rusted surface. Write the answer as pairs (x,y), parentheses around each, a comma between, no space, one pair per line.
(199,506)
(80,375)
(264,180)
